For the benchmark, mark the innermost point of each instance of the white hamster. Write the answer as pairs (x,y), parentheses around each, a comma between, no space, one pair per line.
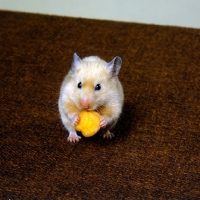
(91,84)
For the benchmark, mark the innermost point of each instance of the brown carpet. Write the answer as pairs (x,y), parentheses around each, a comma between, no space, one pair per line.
(155,154)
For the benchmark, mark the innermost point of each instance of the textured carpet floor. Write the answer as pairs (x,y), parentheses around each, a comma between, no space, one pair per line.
(155,154)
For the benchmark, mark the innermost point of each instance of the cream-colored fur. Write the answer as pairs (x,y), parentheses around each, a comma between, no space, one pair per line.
(108,101)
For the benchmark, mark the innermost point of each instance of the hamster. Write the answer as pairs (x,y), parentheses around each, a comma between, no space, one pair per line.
(91,84)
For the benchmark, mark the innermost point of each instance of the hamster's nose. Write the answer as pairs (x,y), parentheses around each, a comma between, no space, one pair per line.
(85,104)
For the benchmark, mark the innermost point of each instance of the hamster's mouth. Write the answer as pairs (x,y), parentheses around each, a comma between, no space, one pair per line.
(90,109)
(94,108)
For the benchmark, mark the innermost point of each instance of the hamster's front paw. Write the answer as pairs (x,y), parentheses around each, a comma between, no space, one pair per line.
(73,137)
(103,121)
(108,135)
(75,119)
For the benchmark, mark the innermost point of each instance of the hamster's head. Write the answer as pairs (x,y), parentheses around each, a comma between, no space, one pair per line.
(94,81)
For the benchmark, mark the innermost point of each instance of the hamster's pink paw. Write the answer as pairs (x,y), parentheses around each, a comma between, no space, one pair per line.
(103,121)
(75,119)
(73,137)
(108,135)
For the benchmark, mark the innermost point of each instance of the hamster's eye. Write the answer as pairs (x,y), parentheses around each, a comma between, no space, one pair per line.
(79,85)
(97,87)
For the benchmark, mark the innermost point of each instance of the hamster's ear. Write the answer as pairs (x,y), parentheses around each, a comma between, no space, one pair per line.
(114,66)
(75,63)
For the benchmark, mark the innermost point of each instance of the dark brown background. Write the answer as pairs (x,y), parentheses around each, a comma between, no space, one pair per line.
(155,154)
